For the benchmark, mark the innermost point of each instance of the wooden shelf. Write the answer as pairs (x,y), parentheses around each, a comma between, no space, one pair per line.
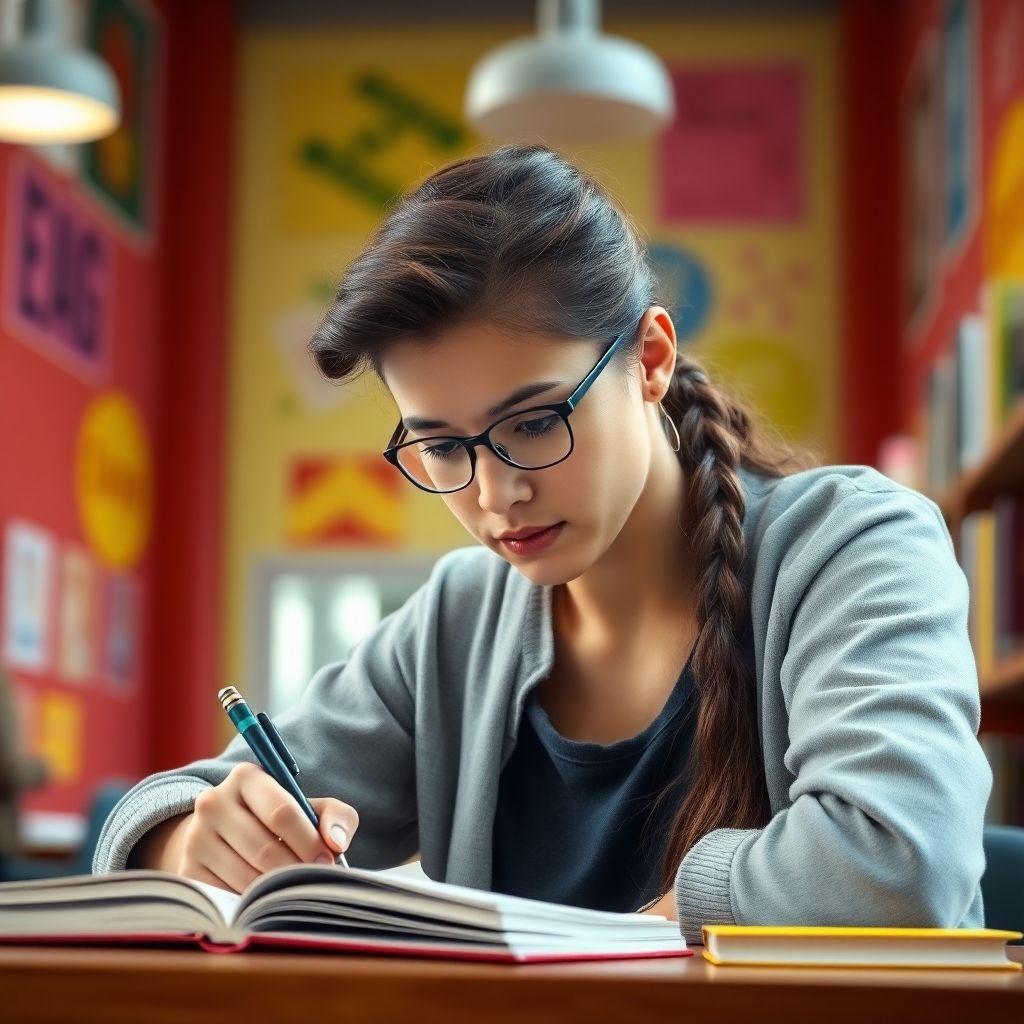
(1006,680)
(1001,472)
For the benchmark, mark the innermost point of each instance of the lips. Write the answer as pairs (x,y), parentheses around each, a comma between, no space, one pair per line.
(530,540)
(525,531)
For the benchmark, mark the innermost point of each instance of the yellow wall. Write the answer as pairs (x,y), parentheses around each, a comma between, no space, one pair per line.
(295,230)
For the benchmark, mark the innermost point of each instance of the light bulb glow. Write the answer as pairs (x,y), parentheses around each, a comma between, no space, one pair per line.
(34,114)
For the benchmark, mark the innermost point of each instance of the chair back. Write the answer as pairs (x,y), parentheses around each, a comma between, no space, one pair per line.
(1002,884)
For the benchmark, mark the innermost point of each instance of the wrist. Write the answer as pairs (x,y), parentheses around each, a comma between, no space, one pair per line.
(160,847)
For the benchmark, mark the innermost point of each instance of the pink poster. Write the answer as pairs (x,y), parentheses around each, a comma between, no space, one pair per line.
(735,151)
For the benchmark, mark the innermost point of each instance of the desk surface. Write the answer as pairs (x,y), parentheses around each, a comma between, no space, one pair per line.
(137,986)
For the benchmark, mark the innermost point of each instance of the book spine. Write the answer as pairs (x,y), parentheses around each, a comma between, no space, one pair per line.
(1013,556)
(984,593)
(971,383)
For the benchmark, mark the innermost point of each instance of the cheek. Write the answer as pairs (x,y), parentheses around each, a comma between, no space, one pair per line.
(461,504)
(613,457)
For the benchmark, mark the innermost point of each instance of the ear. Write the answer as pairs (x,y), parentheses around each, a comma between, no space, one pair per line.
(657,353)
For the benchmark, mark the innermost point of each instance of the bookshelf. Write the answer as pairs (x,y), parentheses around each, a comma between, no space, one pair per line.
(999,473)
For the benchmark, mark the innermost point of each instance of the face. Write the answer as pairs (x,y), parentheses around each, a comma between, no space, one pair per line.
(589,497)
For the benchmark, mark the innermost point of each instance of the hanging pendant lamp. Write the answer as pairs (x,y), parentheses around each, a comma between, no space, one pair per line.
(569,82)
(50,92)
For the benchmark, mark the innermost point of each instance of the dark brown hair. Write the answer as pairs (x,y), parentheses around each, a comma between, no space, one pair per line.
(523,237)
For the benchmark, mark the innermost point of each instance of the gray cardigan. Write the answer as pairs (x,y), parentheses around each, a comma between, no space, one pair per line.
(867,699)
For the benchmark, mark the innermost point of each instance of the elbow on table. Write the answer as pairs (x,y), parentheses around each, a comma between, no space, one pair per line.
(938,889)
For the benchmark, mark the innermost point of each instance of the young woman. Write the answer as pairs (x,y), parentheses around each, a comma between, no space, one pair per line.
(678,669)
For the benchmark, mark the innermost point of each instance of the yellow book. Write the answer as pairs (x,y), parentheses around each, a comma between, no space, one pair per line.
(791,946)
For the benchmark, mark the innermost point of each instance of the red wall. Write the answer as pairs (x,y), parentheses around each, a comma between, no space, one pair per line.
(197,205)
(167,339)
(869,292)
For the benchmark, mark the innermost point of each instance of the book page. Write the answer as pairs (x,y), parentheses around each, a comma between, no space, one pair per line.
(226,902)
(109,904)
(334,891)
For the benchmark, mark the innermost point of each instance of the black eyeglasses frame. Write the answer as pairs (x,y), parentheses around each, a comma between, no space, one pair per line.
(562,409)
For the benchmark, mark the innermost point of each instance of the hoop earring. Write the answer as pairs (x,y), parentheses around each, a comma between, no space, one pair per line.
(674,440)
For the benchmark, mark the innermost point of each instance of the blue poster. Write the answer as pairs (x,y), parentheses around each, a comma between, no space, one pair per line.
(685,288)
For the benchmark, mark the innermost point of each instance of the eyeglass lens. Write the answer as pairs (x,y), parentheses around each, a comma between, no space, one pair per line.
(532,440)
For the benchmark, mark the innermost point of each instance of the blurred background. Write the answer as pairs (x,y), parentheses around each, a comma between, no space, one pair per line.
(832,192)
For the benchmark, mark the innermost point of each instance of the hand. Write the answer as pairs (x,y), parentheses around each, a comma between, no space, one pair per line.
(666,907)
(249,825)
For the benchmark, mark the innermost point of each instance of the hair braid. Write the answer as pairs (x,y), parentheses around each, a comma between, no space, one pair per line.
(726,782)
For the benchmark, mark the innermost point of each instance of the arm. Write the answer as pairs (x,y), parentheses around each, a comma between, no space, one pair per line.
(352,736)
(886,807)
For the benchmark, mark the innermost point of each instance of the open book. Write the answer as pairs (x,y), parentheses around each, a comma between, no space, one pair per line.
(768,945)
(326,908)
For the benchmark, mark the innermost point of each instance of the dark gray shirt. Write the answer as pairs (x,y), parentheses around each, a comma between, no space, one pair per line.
(581,823)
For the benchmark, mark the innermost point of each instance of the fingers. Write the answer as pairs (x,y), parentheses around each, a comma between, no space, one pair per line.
(248,825)
(201,874)
(218,864)
(338,822)
(254,843)
(280,815)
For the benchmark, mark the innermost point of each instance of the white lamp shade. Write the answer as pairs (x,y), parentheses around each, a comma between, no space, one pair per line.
(49,94)
(570,86)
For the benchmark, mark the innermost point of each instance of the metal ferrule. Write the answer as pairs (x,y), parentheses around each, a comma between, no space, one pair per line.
(236,707)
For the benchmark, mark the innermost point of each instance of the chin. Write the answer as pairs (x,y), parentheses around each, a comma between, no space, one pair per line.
(545,571)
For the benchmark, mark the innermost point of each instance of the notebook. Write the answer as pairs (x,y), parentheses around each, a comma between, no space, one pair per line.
(329,908)
(769,946)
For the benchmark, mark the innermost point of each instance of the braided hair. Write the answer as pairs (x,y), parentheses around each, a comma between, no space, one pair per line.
(475,238)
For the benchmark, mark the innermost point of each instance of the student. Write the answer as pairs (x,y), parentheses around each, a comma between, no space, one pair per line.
(679,669)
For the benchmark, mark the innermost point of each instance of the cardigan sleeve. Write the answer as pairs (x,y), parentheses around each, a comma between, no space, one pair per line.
(889,784)
(351,733)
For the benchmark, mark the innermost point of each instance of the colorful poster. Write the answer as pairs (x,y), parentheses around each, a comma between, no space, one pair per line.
(76,661)
(356,499)
(685,286)
(787,395)
(114,480)
(961,119)
(119,168)
(291,331)
(28,591)
(59,275)
(734,153)
(350,141)
(122,633)
(766,291)
(60,736)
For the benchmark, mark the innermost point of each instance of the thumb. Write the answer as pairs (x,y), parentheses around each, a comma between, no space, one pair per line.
(338,822)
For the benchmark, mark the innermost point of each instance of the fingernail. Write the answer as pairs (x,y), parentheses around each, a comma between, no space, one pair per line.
(340,836)
(322,858)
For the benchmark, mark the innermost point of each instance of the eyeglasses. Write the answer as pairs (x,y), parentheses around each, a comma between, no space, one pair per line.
(534,438)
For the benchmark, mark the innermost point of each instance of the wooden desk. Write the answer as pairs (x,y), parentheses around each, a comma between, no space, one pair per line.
(153,987)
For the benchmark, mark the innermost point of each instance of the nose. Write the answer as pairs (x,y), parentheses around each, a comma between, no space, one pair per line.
(499,485)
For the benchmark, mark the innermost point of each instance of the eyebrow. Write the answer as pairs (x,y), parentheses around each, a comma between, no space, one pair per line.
(524,393)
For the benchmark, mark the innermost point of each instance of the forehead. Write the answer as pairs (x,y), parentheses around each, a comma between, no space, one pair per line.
(460,374)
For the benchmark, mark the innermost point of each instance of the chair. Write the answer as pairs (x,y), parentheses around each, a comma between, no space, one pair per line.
(16,869)
(1002,884)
